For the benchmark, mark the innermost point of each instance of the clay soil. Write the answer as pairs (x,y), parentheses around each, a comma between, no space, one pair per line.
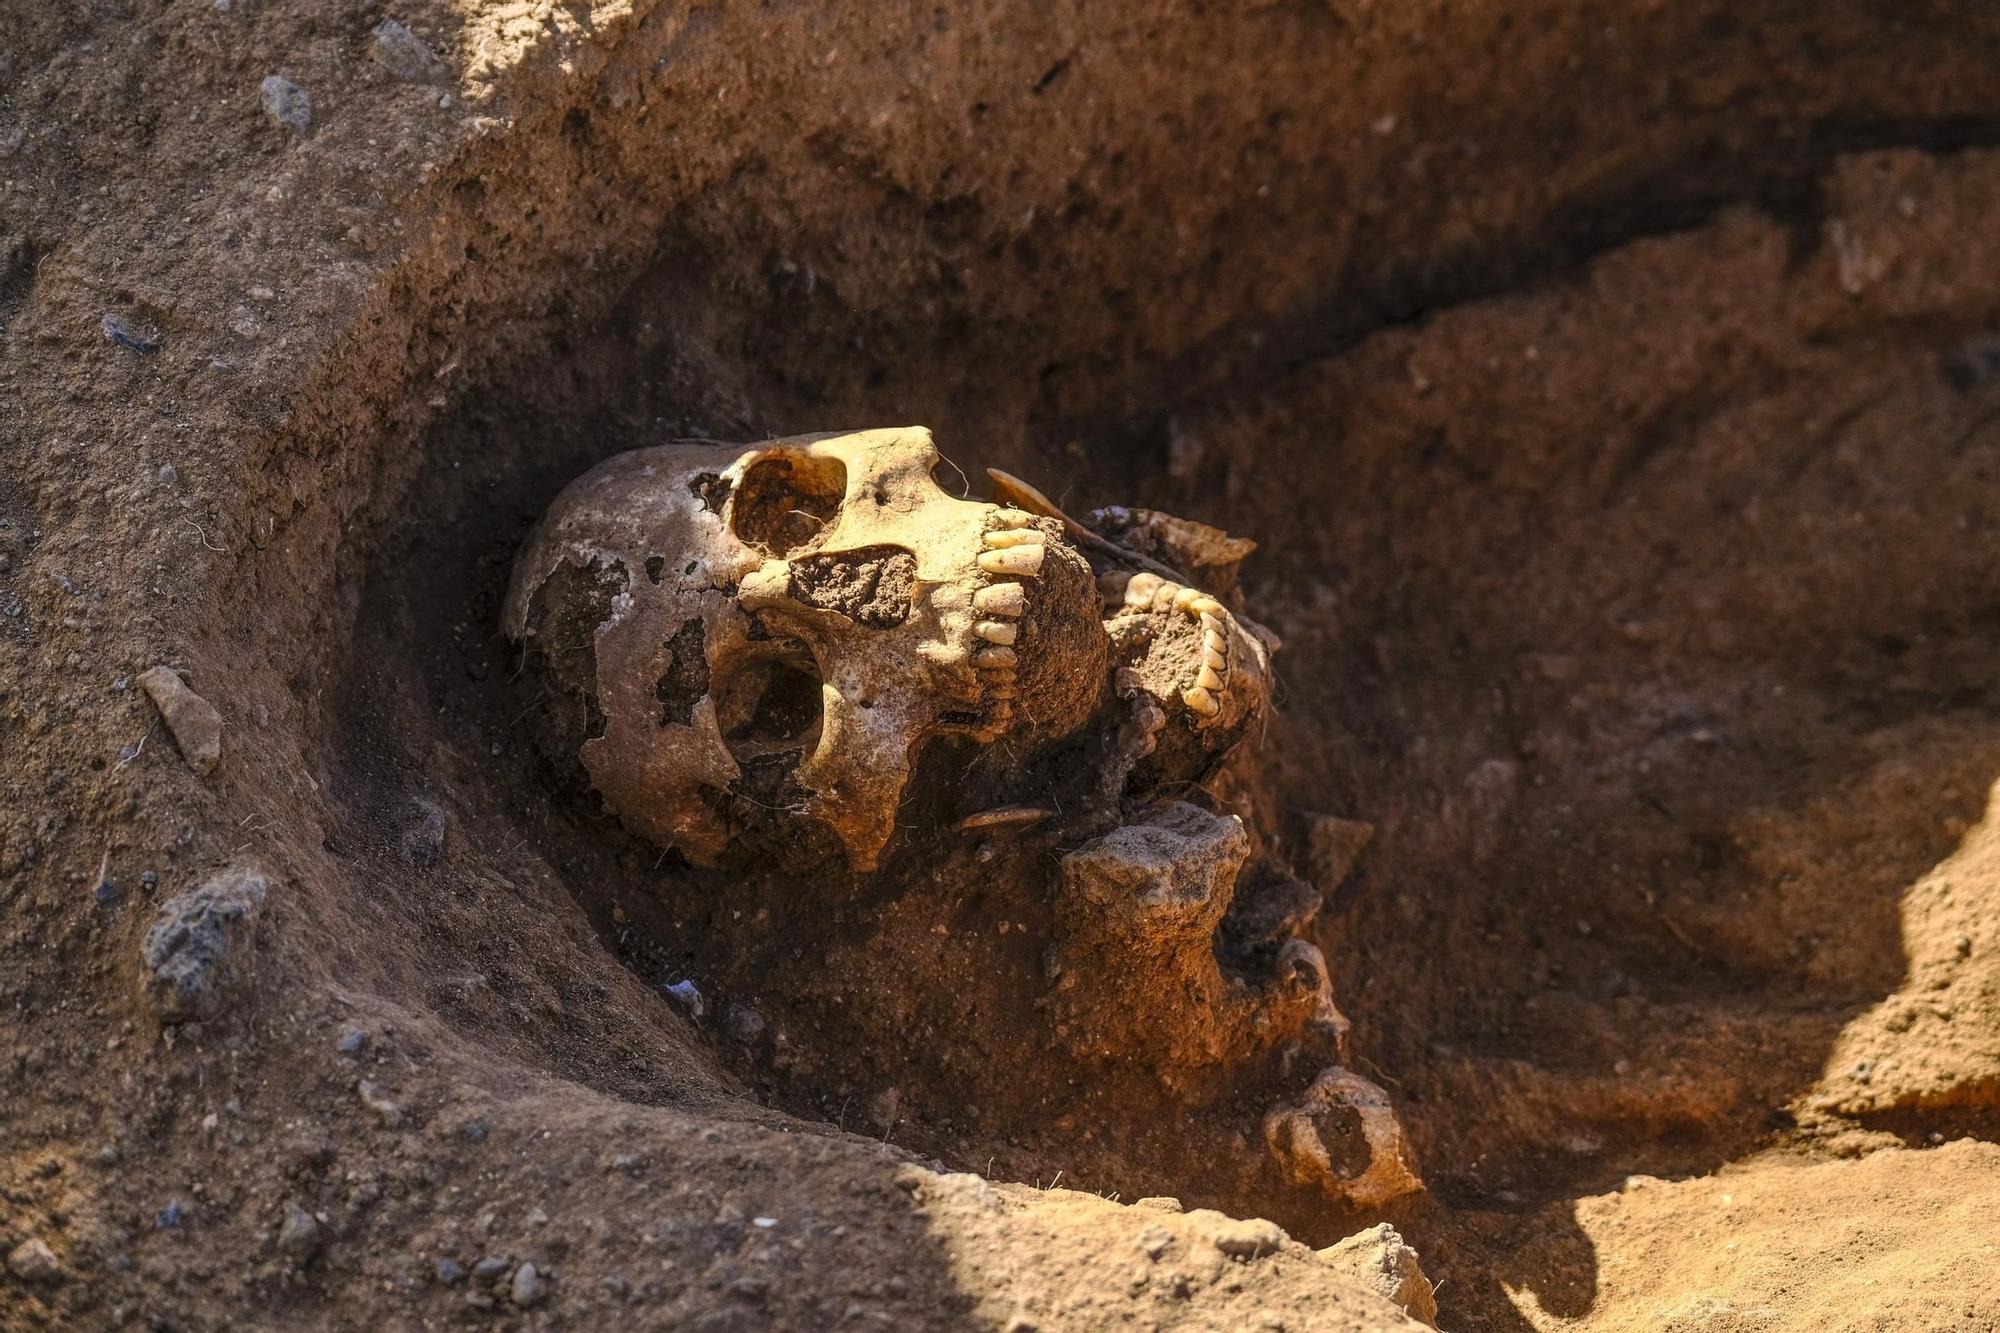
(1613,389)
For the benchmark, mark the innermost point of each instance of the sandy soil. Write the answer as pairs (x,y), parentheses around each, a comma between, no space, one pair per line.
(1614,391)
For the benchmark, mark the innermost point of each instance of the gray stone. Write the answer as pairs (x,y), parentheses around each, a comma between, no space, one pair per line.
(300,1235)
(197,954)
(528,1287)
(423,838)
(286,103)
(742,1023)
(404,54)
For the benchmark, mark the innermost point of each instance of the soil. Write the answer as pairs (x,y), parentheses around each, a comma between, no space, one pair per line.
(1613,390)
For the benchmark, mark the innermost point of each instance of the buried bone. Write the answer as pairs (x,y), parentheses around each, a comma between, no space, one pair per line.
(815,607)
(771,657)
(792,623)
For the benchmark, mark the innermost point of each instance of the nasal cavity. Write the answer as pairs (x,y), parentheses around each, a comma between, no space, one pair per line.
(787,500)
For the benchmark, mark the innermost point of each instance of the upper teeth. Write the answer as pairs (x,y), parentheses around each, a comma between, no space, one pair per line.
(1016,549)
(1150,592)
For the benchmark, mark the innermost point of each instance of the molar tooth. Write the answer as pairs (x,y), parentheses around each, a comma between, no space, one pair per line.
(1006,537)
(1201,701)
(996,656)
(997,631)
(1024,561)
(1001,599)
(1004,690)
(1186,598)
(1213,624)
(1213,657)
(1164,595)
(1139,591)
(1206,606)
(1207,679)
(1014,518)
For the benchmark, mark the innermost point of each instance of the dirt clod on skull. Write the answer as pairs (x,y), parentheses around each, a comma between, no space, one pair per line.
(871,587)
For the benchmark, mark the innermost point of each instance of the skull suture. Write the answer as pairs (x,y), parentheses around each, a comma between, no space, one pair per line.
(815,608)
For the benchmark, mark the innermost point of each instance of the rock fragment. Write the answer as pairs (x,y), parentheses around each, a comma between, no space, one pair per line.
(197,953)
(742,1023)
(1249,1238)
(286,103)
(300,1235)
(404,54)
(423,836)
(528,1287)
(32,1261)
(196,726)
(132,335)
(1381,1259)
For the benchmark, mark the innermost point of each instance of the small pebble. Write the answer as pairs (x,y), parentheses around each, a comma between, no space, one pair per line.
(404,54)
(352,1039)
(108,893)
(286,103)
(1249,1239)
(742,1023)
(169,474)
(423,837)
(528,1287)
(372,1098)
(450,1272)
(489,1268)
(132,336)
(170,1216)
(32,1261)
(300,1235)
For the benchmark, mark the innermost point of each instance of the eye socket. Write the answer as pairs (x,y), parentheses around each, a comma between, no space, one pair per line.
(770,705)
(786,500)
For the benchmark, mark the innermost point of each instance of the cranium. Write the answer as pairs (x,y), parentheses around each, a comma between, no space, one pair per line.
(790,623)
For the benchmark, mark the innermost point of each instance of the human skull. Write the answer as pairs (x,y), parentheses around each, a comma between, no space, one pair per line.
(790,623)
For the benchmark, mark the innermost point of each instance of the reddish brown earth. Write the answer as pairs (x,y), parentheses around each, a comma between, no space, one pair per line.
(1614,391)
